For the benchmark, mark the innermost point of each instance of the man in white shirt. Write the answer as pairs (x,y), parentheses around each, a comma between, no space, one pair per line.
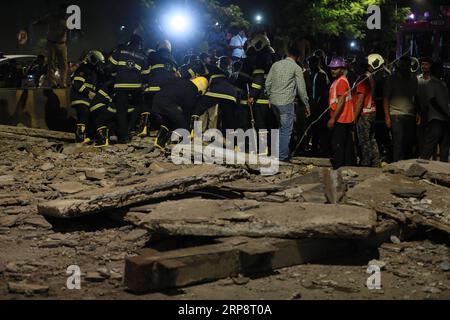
(237,45)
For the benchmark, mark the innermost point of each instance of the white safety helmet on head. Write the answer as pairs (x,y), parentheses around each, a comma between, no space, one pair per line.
(260,42)
(375,60)
(415,65)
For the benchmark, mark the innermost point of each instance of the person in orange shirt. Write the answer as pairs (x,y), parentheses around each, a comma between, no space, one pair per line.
(365,114)
(342,117)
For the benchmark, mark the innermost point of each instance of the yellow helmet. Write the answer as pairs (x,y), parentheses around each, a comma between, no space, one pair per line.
(201,83)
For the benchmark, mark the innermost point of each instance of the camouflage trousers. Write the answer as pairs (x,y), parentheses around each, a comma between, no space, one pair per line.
(368,146)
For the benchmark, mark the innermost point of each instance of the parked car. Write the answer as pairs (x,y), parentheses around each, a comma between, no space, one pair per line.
(14,71)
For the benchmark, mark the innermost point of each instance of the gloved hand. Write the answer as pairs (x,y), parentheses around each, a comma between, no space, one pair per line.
(92,95)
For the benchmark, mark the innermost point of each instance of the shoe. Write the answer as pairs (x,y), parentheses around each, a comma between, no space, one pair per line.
(163,138)
(102,138)
(80,134)
(143,129)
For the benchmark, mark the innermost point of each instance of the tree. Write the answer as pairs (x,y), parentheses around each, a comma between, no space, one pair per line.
(147,3)
(230,16)
(336,17)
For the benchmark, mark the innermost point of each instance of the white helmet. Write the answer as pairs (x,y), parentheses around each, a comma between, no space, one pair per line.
(415,65)
(164,45)
(375,60)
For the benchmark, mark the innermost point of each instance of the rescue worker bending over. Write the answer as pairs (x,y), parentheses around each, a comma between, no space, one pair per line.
(194,68)
(220,92)
(84,81)
(174,104)
(103,111)
(163,69)
(130,66)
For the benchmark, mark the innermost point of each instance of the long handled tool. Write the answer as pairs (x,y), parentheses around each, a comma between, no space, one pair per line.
(253,122)
(328,109)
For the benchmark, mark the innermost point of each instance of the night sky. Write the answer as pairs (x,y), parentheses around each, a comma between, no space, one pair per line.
(101,20)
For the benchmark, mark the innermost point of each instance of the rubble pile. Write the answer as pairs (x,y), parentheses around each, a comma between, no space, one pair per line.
(134,222)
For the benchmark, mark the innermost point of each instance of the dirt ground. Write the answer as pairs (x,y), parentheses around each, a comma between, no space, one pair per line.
(416,272)
(39,251)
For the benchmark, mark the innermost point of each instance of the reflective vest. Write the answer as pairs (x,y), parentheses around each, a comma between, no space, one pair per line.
(347,114)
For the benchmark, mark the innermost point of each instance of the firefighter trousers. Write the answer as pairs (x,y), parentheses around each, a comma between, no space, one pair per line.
(125,99)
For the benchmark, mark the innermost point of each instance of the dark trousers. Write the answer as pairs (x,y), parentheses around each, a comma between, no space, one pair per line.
(403,133)
(102,117)
(261,115)
(125,99)
(343,146)
(227,110)
(170,114)
(243,120)
(320,135)
(82,111)
(84,117)
(155,119)
(437,133)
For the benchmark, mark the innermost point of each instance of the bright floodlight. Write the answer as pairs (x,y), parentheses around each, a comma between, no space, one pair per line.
(178,23)
(258,18)
(352,44)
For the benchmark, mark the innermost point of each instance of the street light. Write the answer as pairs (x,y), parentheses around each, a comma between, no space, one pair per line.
(258,18)
(178,23)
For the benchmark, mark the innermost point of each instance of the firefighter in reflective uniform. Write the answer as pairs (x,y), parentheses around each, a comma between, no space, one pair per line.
(82,91)
(102,113)
(220,92)
(163,69)
(242,81)
(174,104)
(263,55)
(194,68)
(129,63)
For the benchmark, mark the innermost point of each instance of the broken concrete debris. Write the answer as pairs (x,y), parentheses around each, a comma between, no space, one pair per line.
(166,184)
(184,225)
(227,218)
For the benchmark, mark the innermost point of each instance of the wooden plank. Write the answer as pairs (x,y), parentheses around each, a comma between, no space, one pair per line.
(166,184)
(376,193)
(38,133)
(179,268)
(250,218)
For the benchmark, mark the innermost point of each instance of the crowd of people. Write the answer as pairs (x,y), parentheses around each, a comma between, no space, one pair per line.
(330,103)
(362,110)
